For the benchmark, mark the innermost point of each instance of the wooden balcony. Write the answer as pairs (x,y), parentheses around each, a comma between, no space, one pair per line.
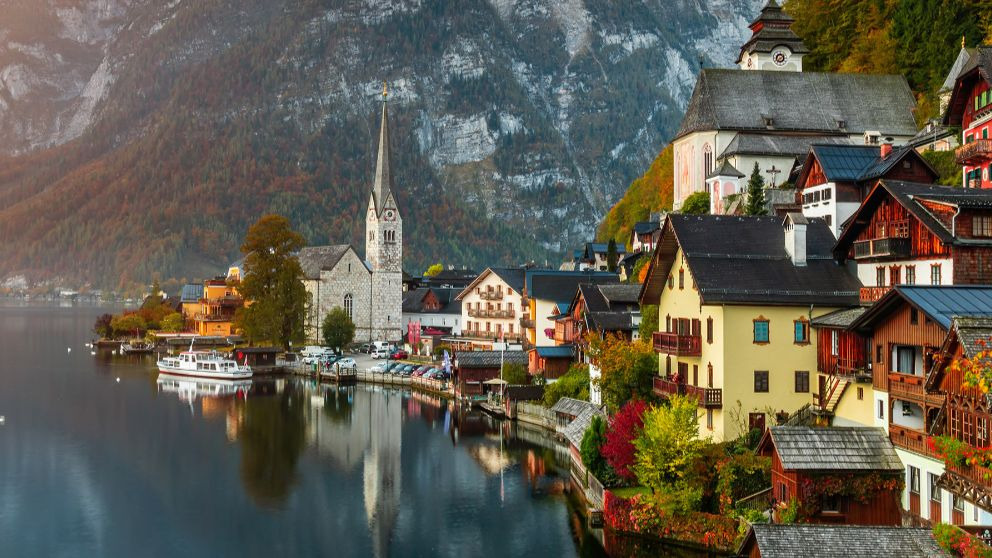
(889,247)
(843,366)
(870,295)
(491,295)
(677,345)
(710,398)
(909,439)
(976,152)
(909,387)
(526,322)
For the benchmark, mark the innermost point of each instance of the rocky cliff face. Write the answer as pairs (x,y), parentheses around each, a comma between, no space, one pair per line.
(169,126)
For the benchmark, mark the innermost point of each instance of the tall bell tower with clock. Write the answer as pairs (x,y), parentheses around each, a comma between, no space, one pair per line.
(773,45)
(384,244)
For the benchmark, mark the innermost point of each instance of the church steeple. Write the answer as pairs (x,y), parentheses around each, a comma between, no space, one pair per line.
(383,184)
(773,45)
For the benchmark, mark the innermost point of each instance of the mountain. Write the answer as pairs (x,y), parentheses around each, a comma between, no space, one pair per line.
(143,137)
(917,39)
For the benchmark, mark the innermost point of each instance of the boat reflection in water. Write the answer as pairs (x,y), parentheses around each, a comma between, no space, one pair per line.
(217,398)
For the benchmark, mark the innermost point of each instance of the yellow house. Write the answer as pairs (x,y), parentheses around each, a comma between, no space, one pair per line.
(209,309)
(736,296)
(548,293)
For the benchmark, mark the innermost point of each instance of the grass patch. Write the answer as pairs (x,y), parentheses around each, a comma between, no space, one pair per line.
(630,491)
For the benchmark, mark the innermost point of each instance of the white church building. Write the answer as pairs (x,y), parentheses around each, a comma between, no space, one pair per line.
(370,290)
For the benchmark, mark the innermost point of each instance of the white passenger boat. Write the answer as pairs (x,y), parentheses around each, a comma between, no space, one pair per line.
(203,364)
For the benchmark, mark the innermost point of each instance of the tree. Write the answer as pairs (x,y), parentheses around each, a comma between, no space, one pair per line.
(668,444)
(172,323)
(272,286)
(949,173)
(649,321)
(337,329)
(612,258)
(434,270)
(640,268)
(574,384)
(625,427)
(128,324)
(154,297)
(515,374)
(628,368)
(697,204)
(755,203)
(589,449)
(102,325)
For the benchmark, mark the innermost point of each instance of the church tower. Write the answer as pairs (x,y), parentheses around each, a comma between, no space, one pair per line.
(384,244)
(773,45)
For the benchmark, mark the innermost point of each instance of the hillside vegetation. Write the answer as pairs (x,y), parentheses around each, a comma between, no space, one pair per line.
(917,38)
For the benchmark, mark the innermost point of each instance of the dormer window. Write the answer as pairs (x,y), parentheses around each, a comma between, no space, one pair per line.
(841,124)
(768,120)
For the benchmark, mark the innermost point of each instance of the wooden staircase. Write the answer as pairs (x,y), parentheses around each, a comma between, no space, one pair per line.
(827,400)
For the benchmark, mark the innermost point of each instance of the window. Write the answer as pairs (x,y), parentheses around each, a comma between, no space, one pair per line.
(709,330)
(957,502)
(511,329)
(894,273)
(783,492)
(801,331)
(861,394)
(881,409)
(671,282)
(761,333)
(707,159)
(349,305)
(761,381)
(829,220)
(981,226)
(668,366)
(878,354)
(668,324)
(914,316)
(910,274)
(802,381)
(695,375)
(834,342)
(681,279)
(934,274)
(934,489)
(914,479)
(709,375)
(831,503)
(880,277)
(709,419)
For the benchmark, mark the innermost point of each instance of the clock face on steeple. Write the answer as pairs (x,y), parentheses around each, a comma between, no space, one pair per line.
(390,215)
(780,56)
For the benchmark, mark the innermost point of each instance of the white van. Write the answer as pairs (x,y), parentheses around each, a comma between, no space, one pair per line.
(378,352)
(312,350)
(384,345)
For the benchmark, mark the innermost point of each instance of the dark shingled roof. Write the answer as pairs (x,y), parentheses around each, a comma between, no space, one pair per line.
(315,258)
(570,406)
(191,292)
(730,99)
(978,67)
(860,448)
(413,301)
(560,351)
(742,260)
(512,276)
(559,286)
(775,29)
(645,227)
(620,293)
(839,319)
(770,144)
(973,333)
(725,168)
(577,428)
(964,55)
(776,540)
(909,195)
(489,359)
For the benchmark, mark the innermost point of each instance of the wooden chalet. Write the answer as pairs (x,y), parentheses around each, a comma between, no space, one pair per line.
(970,107)
(907,328)
(256,356)
(906,233)
(835,178)
(841,361)
(550,362)
(967,415)
(604,309)
(764,540)
(806,460)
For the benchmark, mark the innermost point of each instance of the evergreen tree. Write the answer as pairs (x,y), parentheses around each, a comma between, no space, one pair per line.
(755,204)
(611,256)
(337,329)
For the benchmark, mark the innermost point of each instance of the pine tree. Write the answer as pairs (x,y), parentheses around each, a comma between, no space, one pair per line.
(755,193)
(612,258)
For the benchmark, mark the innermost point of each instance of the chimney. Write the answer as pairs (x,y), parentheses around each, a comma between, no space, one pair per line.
(886,149)
(795,238)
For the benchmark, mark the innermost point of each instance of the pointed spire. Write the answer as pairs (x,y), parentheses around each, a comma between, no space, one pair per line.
(383,178)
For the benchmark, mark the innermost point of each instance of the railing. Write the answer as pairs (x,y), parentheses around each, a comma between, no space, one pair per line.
(526,322)
(491,295)
(873,294)
(677,345)
(974,473)
(759,501)
(893,246)
(907,438)
(843,366)
(979,150)
(906,385)
(710,398)
(201,317)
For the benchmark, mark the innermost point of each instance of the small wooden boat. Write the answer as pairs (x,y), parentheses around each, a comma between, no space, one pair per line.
(137,348)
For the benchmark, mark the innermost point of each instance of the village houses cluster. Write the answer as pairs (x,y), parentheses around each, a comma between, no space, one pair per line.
(828,323)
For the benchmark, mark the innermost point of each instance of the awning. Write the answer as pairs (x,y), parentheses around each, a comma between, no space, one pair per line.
(495,382)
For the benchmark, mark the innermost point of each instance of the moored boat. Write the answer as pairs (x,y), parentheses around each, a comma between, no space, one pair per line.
(203,364)
(137,348)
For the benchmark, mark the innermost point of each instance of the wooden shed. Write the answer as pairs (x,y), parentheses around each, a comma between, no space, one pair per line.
(765,540)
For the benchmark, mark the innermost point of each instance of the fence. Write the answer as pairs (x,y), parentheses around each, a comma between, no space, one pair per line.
(535,414)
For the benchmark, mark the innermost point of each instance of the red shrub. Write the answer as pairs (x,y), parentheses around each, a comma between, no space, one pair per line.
(625,426)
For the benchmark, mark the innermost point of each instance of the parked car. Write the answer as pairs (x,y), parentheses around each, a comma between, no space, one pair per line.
(421,370)
(398,354)
(380,353)
(379,368)
(394,367)
(346,363)
(327,360)
(407,369)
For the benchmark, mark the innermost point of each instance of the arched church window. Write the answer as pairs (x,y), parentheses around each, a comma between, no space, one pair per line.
(348,304)
(707,159)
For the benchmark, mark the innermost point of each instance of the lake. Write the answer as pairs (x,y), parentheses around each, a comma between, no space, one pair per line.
(98,458)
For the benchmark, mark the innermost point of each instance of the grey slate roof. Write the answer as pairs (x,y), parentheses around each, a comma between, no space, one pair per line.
(959,63)
(191,292)
(512,276)
(725,168)
(973,333)
(413,301)
(620,293)
(776,145)
(726,99)
(775,30)
(315,258)
(489,359)
(839,319)
(577,428)
(860,448)
(743,260)
(571,407)
(844,541)
(559,286)
(645,227)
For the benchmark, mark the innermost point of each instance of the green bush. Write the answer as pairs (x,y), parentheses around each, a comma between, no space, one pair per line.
(574,384)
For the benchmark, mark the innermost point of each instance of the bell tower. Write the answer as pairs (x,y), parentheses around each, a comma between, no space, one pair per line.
(384,243)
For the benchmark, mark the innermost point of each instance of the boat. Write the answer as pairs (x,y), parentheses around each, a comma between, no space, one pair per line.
(203,364)
(190,389)
(137,348)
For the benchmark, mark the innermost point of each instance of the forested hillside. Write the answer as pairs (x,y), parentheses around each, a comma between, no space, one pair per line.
(917,38)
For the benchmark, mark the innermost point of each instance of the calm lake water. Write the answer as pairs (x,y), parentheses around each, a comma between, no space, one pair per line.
(97,458)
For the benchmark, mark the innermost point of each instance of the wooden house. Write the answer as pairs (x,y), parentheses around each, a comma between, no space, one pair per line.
(835,178)
(843,384)
(906,329)
(814,467)
(474,368)
(765,540)
(256,356)
(550,362)
(905,233)
(970,107)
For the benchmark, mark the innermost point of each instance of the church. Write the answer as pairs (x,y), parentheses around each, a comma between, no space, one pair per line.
(370,290)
